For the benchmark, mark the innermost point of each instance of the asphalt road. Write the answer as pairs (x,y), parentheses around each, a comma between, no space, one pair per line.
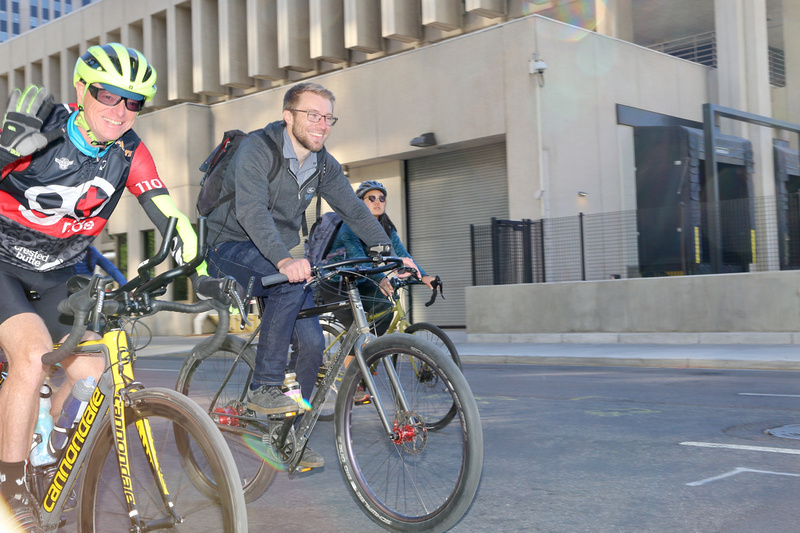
(592,449)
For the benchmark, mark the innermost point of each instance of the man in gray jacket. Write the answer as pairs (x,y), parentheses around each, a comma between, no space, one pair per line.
(253,233)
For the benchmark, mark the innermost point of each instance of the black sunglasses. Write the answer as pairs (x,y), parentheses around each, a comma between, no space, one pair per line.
(372,198)
(110,99)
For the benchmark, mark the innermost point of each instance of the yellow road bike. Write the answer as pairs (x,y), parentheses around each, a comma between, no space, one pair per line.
(151,459)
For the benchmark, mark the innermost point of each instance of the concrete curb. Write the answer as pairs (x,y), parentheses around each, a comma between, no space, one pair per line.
(727,364)
(745,337)
(729,351)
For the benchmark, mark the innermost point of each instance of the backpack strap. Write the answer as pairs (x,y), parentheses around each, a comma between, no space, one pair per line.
(303,223)
(273,171)
(275,158)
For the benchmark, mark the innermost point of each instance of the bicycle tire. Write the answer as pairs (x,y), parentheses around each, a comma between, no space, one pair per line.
(440,339)
(334,335)
(102,502)
(429,482)
(200,379)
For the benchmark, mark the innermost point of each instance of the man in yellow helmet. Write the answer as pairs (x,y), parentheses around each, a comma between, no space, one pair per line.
(64,168)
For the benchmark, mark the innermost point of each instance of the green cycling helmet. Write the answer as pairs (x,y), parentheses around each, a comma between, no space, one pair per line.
(123,71)
(370,185)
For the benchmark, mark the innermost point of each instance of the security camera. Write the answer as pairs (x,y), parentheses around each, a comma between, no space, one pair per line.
(537,66)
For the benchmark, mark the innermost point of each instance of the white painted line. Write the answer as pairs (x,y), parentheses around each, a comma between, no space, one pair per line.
(741,447)
(764,394)
(737,471)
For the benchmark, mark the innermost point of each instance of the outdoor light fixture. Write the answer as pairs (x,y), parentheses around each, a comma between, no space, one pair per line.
(582,194)
(536,67)
(423,141)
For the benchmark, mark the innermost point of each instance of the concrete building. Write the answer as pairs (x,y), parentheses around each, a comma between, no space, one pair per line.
(526,100)
(20,16)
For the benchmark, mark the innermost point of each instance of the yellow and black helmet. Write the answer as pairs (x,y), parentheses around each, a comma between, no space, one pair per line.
(123,71)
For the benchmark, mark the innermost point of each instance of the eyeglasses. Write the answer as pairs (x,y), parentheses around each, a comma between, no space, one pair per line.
(315,117)
(110,99)
(373,198)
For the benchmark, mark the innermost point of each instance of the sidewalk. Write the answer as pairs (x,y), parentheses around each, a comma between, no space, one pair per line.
(729,356)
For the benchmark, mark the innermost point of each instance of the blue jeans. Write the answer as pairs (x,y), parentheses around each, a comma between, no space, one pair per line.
(279,323)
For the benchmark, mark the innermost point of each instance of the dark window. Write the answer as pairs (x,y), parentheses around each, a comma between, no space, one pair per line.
(149,246)
(122,253)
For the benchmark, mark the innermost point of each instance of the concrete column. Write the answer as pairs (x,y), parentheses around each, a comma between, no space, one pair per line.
(791,50)
(233,44)
(614,18)
(743,74)
(293,36)
(205,49)
(156,49)
(135,252)
(362,25)
(486,8)
(445,15)
(401,20)
(326,38)
(24,16)
(179,53)
(262,42)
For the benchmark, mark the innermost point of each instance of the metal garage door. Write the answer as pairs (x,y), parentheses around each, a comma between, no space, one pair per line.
(446,193)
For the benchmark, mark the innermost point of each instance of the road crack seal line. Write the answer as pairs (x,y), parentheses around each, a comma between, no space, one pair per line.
(622,412)
(736,471)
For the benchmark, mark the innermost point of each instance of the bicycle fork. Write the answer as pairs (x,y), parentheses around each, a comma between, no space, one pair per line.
(122,373)
(399,394)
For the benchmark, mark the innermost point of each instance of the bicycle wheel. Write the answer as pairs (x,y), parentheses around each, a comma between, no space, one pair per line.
(334,335)
(102,502)
(201,380)
(439,338)
(419,480)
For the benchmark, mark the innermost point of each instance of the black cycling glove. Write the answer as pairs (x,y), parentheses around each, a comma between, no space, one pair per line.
(25,114)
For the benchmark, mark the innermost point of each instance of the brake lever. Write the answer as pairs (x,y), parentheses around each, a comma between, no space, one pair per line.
(437,283)
(99,288)
(230,289)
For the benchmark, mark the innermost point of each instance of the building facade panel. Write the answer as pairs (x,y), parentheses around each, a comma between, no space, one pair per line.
(401,75)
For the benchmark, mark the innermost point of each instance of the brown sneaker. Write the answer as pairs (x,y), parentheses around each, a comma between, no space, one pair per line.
(311,459)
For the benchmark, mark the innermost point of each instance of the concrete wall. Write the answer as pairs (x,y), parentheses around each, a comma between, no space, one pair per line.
(763,302)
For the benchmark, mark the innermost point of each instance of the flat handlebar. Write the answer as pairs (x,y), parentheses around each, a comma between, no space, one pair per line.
(339,268)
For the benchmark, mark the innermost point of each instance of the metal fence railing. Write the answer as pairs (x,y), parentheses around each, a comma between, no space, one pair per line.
(742,235)
(702,48)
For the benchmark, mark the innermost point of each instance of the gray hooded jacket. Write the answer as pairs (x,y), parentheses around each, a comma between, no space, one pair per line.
(270,214)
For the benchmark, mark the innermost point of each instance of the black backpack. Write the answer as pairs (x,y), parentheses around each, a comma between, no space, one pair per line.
(214,166)
(320,238)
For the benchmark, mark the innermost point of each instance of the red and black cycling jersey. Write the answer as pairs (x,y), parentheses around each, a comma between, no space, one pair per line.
(55,202)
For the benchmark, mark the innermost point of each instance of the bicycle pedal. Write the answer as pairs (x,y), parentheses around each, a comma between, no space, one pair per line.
(364,400)
(280,417)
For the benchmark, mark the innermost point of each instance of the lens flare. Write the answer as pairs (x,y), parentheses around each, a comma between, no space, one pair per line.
(581,14)
(265,451)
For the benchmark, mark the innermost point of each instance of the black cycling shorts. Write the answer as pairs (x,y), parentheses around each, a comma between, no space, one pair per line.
(17,283)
